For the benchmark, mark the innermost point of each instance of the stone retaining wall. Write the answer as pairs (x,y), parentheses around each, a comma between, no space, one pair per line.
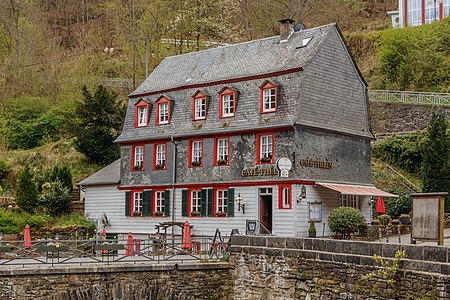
(295,268)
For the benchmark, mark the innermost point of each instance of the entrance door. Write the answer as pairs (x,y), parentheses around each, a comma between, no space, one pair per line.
(265,210)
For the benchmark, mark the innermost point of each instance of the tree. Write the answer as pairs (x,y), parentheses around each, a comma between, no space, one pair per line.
(346,220)
(436,156)
(64,175)
(55,197)
(100,118)
(27,191)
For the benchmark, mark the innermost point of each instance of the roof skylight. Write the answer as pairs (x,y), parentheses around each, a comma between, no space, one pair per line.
(304,42)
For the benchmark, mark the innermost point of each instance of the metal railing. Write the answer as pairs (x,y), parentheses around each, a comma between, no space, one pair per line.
(404,181)
(409,97)
(155,250)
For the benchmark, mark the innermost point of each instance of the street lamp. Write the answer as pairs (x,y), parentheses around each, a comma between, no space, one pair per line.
(240,202)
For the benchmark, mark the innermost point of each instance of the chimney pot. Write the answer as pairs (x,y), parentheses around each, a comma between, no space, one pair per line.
(286,29)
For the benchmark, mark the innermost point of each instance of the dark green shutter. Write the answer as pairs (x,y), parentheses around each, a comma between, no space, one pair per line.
(210,202)
(147,203)
(184,203)
(204,203)
(167,203)
(230,202)
(127,203)
(149,110)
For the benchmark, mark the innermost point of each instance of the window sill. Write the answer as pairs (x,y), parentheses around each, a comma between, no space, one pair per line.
(159,217)
(195,217)
(227,116)
(268,111)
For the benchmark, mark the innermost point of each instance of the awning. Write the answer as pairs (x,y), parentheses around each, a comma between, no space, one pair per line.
(359,190)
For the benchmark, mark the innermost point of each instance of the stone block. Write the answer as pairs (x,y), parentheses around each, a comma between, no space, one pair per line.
(257,241)
(307,244)
(240,240)
(235,249)
(294,243)
(367,261)
(339,258)
(352,259)
(276,242)
(291,253)
(319,245)
(273,252)
(413,252)
(325,256)
(376,249)
(360,248)
(445,269)
(253,250)
(307,254)
(388,250)
(333,246)
(346,247)
(435,253)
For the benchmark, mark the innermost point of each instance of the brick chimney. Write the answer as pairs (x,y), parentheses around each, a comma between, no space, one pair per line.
(286,29)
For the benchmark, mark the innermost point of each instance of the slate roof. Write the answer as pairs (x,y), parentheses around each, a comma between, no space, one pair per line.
(108,175)
(234,61)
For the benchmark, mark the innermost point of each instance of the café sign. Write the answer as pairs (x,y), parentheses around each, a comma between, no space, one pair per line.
(259,171)
(316,163)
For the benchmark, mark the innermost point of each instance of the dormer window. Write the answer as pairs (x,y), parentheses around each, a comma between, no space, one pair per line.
(227,103)
(163,108)
(141,117)
(199,105)
(268,97)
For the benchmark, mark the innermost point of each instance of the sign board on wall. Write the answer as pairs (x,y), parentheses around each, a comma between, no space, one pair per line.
(251,226)
(315,211)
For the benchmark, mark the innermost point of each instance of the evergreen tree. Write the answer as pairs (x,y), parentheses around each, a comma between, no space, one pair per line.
(436,156)
(56,197)
(64,175)
(27,191)
(100,118)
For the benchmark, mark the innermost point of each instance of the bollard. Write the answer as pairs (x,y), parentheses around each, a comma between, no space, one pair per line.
(387,233)
(399,235)
(379,233)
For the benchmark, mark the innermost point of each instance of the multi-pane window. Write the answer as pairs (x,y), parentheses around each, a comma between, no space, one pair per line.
(137,203)
(286,197)
(163,113)
(197,151)
(200,108)
(349,200)
(414,12)
(196,198)
(142,116)
(160,158)
(266,148)
(138,157)
(222,203)
(227,105)
(222,151)
(159,203)
(269,99)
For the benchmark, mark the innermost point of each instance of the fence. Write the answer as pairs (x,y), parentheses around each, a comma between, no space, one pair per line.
(156,250)
(409,97)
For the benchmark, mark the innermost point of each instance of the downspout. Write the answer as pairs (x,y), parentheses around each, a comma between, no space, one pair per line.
(174,178)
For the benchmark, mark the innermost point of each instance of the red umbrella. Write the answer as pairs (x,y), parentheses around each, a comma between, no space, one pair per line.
(130,246)
(27,237)
(103,233)
(380,206)
(187,238)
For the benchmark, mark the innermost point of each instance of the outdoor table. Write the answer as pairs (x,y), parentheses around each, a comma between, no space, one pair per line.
(52,250)
(110,249)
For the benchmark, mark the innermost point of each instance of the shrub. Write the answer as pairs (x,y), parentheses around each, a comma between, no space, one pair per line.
(4,168)
(27,192)
(64,175)
(346,220)
(55,198)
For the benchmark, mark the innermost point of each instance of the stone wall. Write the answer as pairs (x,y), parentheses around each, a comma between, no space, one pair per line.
(119,282)
(297,268)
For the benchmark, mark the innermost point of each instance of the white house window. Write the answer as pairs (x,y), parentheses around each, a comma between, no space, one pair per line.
(163,113)
(266,148)
(227,105)
(286,197)
(160,156)
(159,203)
(200,108)
(196,197)
(269,98)
(142,116)
(222,203)
(137,202)
(138,157)
(349,200)
(222,151)
(197,152)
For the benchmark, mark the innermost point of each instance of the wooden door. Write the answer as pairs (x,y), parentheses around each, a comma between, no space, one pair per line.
(265,212)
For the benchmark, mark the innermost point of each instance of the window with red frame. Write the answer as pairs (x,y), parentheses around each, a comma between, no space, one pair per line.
(137,203)
(141,114)
(195,203)
(221,203)
(159,204)
(160,157)
(264,148)
(162,111)
(227,103)
(285,196)
(195,153)
(199,108)
(138,158)
(222,150)
(268,101)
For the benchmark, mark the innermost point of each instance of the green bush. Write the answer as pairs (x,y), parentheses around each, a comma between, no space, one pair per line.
(62,174)
(346,220)
(26,192)
(55,198)
(4,168)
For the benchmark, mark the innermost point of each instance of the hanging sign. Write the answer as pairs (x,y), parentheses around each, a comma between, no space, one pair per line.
(284,165)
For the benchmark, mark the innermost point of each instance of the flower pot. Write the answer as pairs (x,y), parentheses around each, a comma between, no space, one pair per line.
(405,219)
(312,234)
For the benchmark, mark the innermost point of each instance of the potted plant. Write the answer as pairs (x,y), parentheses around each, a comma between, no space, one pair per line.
(312,230)
(384,219)
(395,221)
(405,219)
(266,159)
(159,166)
(137,213)
(158,213)
(196,213)
(137,167)
(222,162)
(196,163)
(221,214)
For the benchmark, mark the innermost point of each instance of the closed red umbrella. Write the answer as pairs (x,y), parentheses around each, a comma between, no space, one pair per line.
(380,206)
(27,237)
(187,238)
(130,246)
(103,233)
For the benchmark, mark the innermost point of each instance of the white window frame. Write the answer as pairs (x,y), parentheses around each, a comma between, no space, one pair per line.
(222,149)
(349,201)
(269,99)
(222,201)
(200,108)
(160,154)
(286,197)
(197,151)
(266,144)
(163,112)
(142,116)
(196,200)
(228,102)
(159,201)
(139,156)
(137,201)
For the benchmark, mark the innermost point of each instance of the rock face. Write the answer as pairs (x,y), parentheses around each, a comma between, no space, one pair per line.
(394,117)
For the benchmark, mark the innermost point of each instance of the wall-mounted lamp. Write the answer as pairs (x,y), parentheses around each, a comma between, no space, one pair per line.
(240,202)
(303,192)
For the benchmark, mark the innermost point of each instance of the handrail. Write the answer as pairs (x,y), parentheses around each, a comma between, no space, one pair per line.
(409,97)
(391,169)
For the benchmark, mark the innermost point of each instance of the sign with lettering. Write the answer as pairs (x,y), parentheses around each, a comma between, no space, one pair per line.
(284,165)
(259,171)
(315,163)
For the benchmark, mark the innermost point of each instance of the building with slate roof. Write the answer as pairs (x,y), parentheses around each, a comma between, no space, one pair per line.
(273,131)
(419,12)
